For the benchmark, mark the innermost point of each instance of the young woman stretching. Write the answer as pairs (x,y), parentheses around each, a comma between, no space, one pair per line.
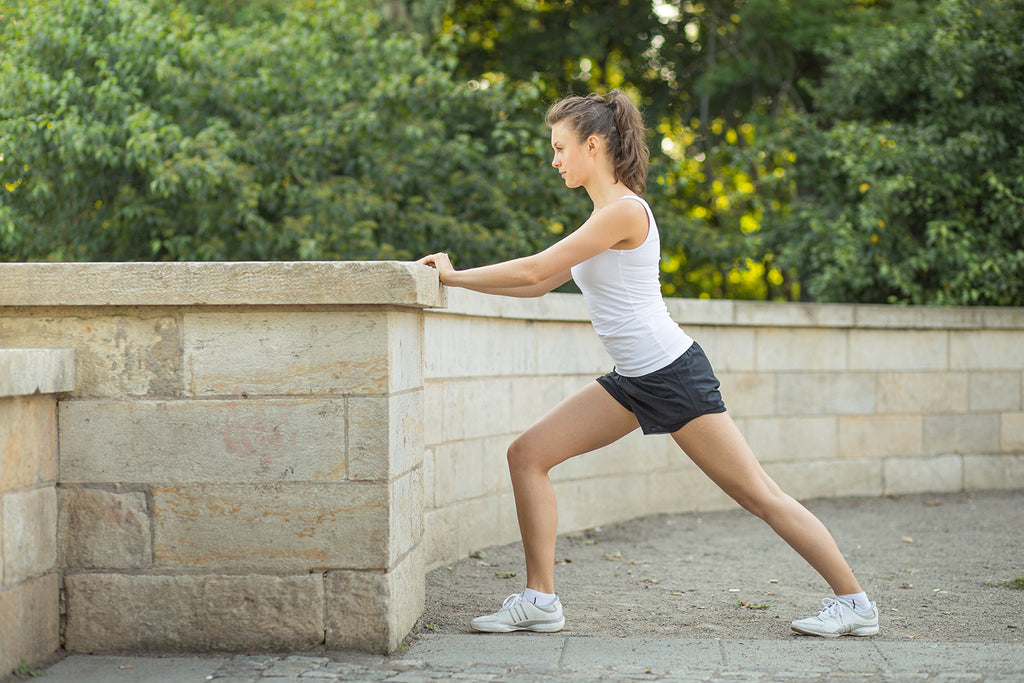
(662,382)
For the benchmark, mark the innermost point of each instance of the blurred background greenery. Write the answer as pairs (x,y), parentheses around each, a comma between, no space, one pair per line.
(816,150)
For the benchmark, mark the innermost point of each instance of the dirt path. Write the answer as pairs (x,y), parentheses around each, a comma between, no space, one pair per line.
(934,564)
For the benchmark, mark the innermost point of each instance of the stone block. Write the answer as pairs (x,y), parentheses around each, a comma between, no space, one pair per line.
(734,349)
(905,350)
(185,442)
(569,348)
(472,347)
(405,351)
(585,503)
(986,472)
(924,474)
(28,533)
(271,527)
(880,435)
(749,394)
(532,398)
(193,612)
(28,442)
(254,353)
(374,610)
(973,434)
(441,537)
(385,435)
(987,350)
(685,488)
(29,622)
(24,372)
(406,515)
(826,393)
(433,412)
(761,313)
(1011,433)
(996,391)
(922,392)
(807,350)
(918,317)
(477,524)
(116,354)
(784,439)
(828,478)
(101,529)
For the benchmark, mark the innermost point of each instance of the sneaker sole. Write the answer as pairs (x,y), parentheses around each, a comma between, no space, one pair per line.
(550,627)
(861,632)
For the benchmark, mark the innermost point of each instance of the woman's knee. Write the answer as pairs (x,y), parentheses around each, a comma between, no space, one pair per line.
(523,456)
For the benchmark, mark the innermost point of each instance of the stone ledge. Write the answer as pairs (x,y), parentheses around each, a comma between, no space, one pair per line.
(24,372)
(698,312)
(249,283)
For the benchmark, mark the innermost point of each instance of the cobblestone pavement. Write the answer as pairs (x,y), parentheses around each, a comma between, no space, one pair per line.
(529,657)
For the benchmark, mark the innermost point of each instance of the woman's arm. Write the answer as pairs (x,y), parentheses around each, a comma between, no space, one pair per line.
(620,224)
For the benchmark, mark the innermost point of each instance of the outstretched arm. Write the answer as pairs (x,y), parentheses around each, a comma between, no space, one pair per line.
(481,282)
(621,224)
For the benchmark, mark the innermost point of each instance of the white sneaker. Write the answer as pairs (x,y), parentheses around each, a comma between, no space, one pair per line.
(517,614)
(838,618)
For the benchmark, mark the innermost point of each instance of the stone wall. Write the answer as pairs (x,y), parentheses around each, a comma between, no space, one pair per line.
(29,590)
(272,455)
(836,400)
(240,463)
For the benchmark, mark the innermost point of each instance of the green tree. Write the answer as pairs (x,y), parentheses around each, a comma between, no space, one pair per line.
(713,77)
(910,177)
(129,133)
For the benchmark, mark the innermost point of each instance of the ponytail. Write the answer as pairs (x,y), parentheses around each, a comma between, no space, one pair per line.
(615,119)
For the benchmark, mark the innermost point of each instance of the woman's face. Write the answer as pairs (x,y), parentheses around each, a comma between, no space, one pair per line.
(571,158)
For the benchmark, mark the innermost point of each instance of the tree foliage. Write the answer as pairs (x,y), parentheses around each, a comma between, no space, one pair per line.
(910,177)
(127,133)
(842,150)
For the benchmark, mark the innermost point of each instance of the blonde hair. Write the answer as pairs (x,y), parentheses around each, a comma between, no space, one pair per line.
(617,120)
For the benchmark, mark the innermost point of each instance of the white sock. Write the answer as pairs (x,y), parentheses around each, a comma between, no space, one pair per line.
(859,601)
(538,598)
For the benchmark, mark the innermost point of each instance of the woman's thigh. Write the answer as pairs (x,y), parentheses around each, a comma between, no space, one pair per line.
(716,445)
(584,421)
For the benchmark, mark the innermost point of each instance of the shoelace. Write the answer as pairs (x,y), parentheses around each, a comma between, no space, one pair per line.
(512,600)
(831,607)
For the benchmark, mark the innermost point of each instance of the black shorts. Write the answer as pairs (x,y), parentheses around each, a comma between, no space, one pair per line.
(666,399)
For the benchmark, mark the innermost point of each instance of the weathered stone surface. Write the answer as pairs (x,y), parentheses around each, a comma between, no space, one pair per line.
(924,474)
(880,435)
(28,441)
(972,434)
(985,472)
(228,283)
(185,442)
(271,527)
(374,610)
(268,352)
(99,529)
(385,437)
(28,533)
(29,622)
(24,372)
(118,353)
(193,613)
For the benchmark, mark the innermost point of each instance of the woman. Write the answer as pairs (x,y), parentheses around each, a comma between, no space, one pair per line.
(661,382)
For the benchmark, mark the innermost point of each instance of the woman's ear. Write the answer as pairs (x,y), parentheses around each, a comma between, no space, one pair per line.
(593,144)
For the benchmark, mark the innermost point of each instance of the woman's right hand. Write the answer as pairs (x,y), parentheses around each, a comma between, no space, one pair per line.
(441,262)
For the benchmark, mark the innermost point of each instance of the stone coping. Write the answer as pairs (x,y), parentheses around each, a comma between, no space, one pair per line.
(691,312)
(24,372)
(240,283)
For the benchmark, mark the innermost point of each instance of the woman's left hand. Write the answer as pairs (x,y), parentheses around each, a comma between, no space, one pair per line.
(441,262)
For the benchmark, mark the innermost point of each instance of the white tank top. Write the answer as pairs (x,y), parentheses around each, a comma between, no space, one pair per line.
(622,290)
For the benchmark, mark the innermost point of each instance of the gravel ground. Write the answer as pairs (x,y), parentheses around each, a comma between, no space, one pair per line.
(936,565)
